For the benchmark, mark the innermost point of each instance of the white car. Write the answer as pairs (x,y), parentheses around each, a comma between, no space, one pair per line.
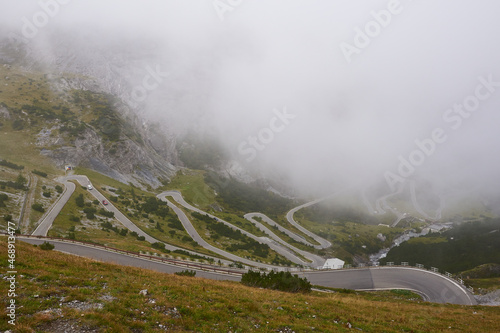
(89,187)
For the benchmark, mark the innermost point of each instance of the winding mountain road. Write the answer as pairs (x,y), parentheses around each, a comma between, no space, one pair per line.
(289,216)
(432,286)
(279,247)
(47,220)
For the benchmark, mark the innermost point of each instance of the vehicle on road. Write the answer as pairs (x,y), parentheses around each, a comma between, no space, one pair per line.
(89,187)
(104,202)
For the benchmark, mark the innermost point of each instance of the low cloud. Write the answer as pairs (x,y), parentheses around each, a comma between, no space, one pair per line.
(353,119)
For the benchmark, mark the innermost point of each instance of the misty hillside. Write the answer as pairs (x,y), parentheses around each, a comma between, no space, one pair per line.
(63,120)
(310,114)
(322,137)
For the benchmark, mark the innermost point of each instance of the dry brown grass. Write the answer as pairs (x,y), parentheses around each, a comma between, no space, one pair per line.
(49,281)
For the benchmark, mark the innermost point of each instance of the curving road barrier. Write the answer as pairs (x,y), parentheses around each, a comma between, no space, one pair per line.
(433,286)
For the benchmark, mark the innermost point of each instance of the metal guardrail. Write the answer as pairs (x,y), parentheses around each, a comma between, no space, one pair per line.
(209,268)
(180,263)
(406,264)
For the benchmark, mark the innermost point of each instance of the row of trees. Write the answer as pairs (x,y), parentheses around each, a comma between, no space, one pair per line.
(283,281)
(218,229)
(11,165)
(247,197)
(462,248)
(19,184)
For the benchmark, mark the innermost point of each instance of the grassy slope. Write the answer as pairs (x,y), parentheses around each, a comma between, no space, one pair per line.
(15,197)
(195,191)
(62,224)
(193,188)
(51,284)
(348,238)
(462,248)
(18,146)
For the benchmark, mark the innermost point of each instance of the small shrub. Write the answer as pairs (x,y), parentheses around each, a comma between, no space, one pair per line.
(38,207)
(80,201)
(90,212)
(40,173)
(158,245)
(283,281)
(106,213)
(186,273)
(74,218)
(47,246)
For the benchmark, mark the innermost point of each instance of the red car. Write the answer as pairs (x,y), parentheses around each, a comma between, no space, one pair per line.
(104,202)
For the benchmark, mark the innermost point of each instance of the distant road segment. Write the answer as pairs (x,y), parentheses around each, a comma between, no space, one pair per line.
(47,220)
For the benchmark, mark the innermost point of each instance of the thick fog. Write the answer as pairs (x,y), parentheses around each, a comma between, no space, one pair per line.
(321,93)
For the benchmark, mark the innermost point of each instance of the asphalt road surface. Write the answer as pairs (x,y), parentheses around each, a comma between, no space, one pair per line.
(126,260)
(281,249)
(48,219)
(432,286)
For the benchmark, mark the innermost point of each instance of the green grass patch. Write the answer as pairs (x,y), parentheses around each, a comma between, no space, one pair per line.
(461,248)
(110,302)
(191,184)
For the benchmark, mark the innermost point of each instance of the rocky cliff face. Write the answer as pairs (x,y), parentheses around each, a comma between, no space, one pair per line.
(144,153)
(124,70)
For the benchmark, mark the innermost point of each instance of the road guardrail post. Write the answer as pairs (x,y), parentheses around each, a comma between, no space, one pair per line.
(404,263)
(434,269)
(420,266)
(390,263)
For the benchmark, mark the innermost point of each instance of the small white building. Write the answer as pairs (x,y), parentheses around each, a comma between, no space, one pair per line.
(333,263)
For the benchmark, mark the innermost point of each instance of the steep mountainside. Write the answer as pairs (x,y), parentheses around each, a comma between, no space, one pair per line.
(69,119)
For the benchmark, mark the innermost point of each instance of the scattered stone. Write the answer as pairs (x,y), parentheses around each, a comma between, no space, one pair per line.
(66,325)
(83,306)
(143,292)
(107,298)
(173,312)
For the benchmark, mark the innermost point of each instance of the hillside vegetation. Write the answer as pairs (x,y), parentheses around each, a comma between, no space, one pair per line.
(462,248)
(57,291)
